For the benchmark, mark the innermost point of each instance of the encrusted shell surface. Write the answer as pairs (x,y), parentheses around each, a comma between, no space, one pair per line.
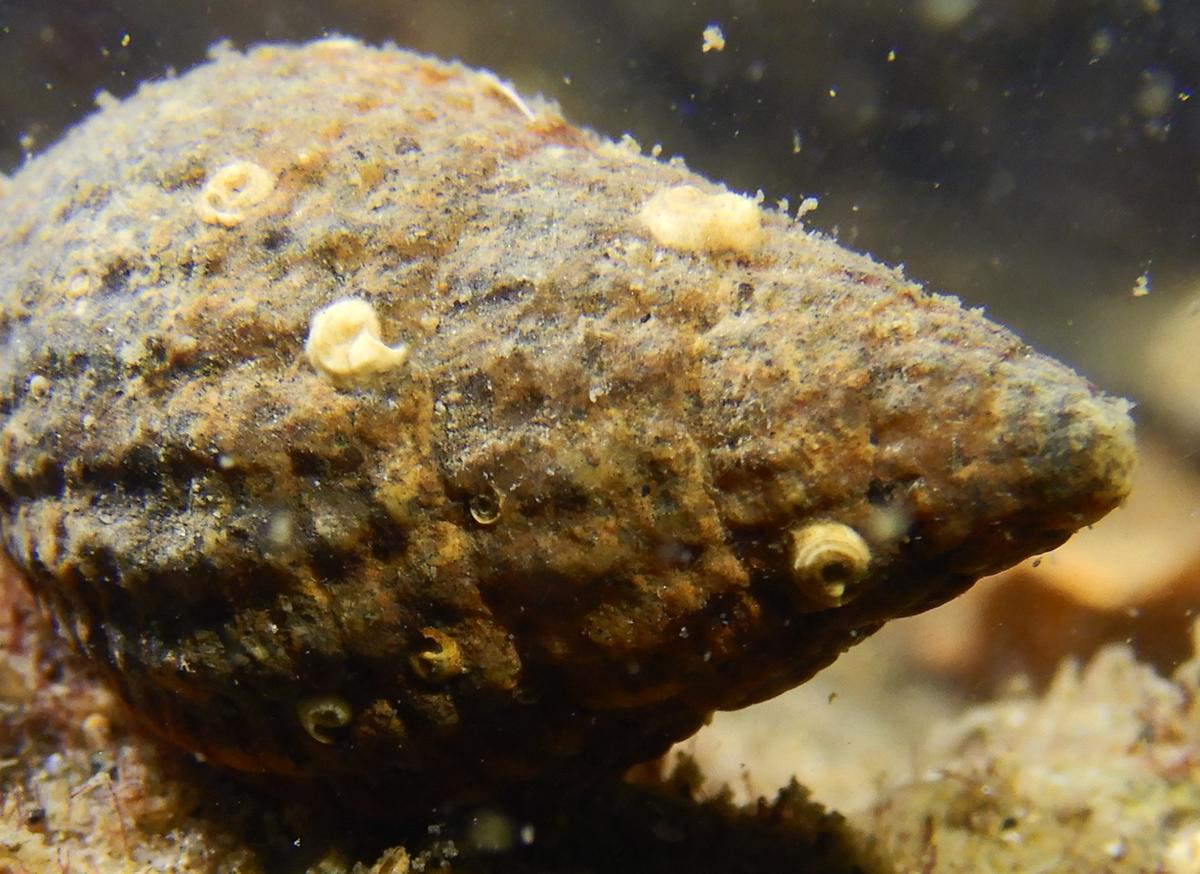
(534,515)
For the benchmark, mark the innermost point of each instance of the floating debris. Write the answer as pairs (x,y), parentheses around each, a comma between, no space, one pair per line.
(1141,285)
(713,39)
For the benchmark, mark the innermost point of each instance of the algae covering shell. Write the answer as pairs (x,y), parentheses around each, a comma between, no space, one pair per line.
(372,427)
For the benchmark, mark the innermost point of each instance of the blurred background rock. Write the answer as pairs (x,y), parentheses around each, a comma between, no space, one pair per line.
(1040,159)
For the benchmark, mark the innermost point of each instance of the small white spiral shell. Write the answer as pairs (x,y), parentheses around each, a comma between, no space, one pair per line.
(829,559)
(319,716)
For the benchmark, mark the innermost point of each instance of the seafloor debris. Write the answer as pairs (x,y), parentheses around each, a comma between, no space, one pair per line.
(567,528)
(1102,775)
(78,792)
(1099,776)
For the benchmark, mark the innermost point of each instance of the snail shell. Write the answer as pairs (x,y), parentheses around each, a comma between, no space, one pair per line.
(829,560)
(372,427)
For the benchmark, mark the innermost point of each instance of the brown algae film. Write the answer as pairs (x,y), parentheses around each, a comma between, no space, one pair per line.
(370,426)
